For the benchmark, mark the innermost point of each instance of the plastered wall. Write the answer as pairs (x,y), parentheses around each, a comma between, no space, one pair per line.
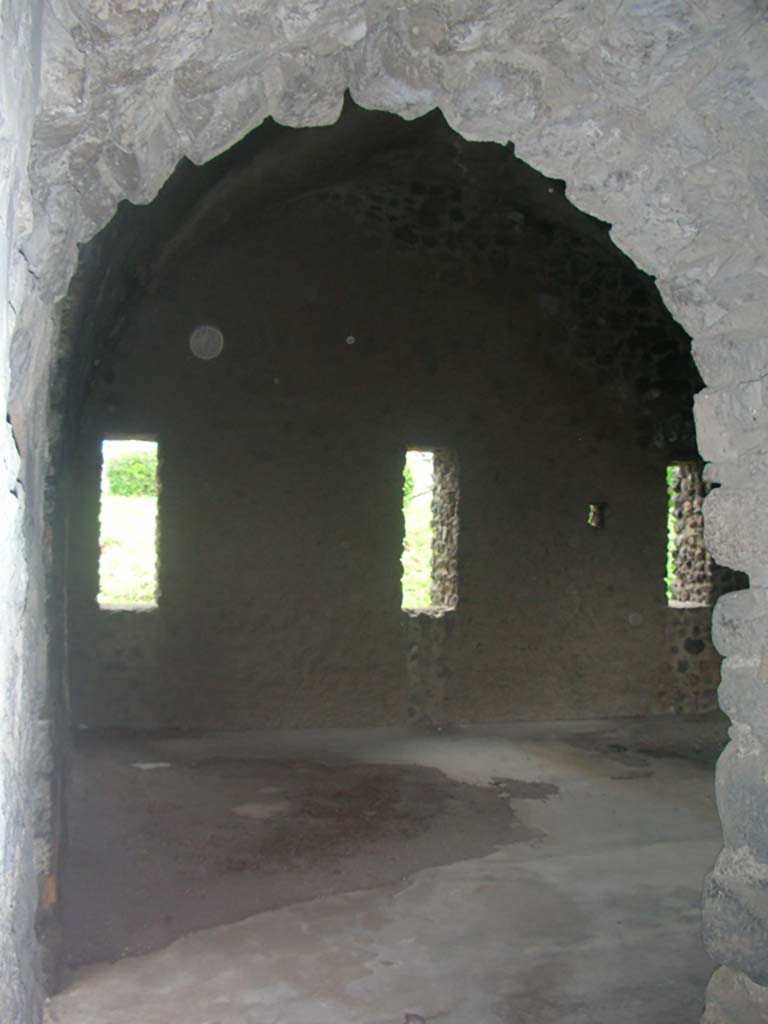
(487,316)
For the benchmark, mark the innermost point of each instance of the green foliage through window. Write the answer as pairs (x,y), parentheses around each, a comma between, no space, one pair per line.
(128,524)
(132,475)
(407,486)
(417,540)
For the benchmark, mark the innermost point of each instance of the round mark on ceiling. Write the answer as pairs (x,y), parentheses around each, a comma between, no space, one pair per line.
(206,342)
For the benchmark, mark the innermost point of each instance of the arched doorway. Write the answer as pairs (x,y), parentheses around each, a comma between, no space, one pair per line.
(675,205)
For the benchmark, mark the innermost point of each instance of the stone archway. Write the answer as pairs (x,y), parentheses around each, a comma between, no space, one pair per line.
(655,117)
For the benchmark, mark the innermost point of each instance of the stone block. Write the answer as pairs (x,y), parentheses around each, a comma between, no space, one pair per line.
(736,915)
(736,529)
(733,999)
(743,694)
(730,419)
(750,470)
(742,795)
(740,623)
(727,359)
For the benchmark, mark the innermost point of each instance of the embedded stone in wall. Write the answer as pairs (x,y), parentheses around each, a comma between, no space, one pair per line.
(694,663)
(733,999)
(445,528)
(690,576)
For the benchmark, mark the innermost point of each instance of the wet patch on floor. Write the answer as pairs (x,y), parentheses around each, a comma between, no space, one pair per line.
(625,776)
(518,789)
(211,840)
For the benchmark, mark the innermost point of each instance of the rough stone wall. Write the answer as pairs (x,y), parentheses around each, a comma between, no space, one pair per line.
(696,580)
(694,664)
(692,588)
(426,668)
(23,748)
(654,115)
(695,583)
(284,455)
(691,578)
(445,529)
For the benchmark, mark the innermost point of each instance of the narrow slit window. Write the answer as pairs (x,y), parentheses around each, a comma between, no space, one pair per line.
(128,524)
(689,577)
(431,533)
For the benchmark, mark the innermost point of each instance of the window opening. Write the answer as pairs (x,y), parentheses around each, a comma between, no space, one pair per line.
(431,534)
(128,524)
(689,564)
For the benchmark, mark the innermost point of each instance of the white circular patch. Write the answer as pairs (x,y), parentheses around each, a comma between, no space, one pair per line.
(206,342)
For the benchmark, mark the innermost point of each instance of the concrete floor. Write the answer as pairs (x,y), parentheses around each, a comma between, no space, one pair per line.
(526,874)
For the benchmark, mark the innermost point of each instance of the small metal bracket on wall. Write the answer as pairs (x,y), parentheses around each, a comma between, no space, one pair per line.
(596,514)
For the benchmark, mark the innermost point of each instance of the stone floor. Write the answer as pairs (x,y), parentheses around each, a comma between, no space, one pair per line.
(527,874)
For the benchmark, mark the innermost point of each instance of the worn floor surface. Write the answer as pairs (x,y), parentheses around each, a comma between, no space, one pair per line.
(527,874)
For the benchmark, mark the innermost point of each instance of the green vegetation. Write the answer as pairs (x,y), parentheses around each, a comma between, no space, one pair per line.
(127,570)
(407,486)
(417,543)
(132,474)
